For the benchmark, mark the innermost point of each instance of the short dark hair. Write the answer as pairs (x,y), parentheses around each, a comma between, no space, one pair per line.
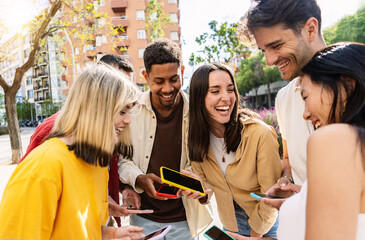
(199,119)
(118,61)
(161,51)
(267,13)
(331,68)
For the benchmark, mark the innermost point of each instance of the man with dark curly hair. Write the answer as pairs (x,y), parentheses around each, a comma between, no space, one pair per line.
(159,129)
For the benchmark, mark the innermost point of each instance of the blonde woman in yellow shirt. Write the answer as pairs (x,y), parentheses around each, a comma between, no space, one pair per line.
(60,191)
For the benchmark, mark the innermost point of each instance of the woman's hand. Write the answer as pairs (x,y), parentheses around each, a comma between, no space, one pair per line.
(122,233)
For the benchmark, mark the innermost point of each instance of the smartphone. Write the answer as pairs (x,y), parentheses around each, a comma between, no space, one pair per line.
(215,233)
(261,195)
(180,180)
(167,191)
(158,234)
(133,210)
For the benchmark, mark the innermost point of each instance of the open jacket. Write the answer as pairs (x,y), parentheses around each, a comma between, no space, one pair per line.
(256,168)
(143,128)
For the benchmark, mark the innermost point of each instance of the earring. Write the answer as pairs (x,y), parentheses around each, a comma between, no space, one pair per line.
(343,107)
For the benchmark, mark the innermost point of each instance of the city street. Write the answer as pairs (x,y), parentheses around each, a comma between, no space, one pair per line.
(5,149)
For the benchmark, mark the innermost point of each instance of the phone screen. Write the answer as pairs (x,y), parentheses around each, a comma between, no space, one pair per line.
(153,234)
(182,180)
(216,234)
(168,189)
(268,195)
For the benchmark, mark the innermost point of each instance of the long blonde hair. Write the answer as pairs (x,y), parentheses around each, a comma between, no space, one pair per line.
(96,97)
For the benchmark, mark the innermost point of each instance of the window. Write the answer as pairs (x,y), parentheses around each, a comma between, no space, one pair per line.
(174,36)
(140,52)
(140,15)
(141,34)
(173,17)
(173,1)
(29,80)
(30,93)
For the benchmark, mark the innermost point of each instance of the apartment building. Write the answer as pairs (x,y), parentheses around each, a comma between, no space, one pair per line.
(129,15)
(17,51)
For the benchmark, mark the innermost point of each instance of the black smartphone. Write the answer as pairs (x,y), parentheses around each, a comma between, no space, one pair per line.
(180,180)
(269,195)
(215,233)
(167,191)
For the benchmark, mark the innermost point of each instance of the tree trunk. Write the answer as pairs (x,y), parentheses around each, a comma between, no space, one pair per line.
(269,94)
(13,126)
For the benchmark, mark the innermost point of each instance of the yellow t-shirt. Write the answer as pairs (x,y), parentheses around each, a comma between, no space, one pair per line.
(53,194)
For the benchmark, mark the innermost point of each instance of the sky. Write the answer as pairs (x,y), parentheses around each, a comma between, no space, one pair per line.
(196,14)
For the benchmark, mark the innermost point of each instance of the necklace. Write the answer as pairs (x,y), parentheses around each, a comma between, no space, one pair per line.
(215,141)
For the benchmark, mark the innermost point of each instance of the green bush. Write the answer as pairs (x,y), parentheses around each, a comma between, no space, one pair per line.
(4,130)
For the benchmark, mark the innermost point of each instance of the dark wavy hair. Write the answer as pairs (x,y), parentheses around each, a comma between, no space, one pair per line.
(332,68)
(268,13)
(118,61)
(160,52)
(200,120)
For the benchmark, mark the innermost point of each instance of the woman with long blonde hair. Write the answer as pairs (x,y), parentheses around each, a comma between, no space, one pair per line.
(60,192)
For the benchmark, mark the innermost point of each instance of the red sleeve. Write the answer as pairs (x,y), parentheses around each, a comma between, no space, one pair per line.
(41,132)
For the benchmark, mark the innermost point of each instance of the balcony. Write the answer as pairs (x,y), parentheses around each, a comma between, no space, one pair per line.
(118,5)
(117,21)
(120,42)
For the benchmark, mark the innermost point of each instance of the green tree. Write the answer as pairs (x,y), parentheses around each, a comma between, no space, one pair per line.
(25,110)
(253,72)
(156,20)
(50,108)
(79,17)
(272,74)
(349,28)
(251,75)
(219,46)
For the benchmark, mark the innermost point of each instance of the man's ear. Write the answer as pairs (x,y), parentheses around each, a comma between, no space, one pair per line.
(310,29)
(145,75)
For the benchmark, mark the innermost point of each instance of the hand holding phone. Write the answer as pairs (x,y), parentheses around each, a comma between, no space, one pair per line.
(261,195)
(215,233)
(133,210)
(167,191)
(180,180)
(158,234)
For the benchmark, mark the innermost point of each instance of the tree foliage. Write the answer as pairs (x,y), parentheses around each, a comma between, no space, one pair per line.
(350,28)
(80,18)
(253,72)
(25,110)
(156,20)
(219,46)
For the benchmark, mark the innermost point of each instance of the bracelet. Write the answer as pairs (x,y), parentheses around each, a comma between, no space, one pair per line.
(290,178)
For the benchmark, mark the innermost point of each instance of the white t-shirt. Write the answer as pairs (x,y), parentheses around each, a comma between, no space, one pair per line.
(219,150)
(289,107)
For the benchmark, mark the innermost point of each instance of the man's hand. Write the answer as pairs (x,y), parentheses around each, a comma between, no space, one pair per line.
(116,210)
(284,191)
(196,195)
(131,198)
(145,181)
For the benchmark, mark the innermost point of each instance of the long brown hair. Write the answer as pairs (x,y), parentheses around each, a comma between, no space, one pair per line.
(200,120)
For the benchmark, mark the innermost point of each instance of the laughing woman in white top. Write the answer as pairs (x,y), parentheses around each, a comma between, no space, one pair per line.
(333,88)
(331,204)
